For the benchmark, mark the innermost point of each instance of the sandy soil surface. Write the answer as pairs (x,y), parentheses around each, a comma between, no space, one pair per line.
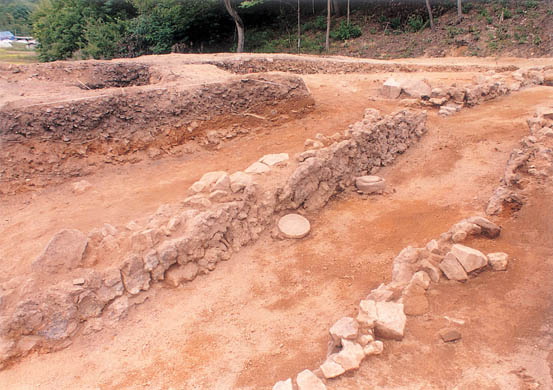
(263,315)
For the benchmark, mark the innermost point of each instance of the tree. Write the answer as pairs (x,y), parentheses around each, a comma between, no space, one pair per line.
(429,8)
(239,25)
(327,44)
(348,12)
(459,9)
(299,26)
(336,5)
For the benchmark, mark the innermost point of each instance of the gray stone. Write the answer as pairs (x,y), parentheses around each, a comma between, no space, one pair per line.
(498,261)
(306,380)
(344,328)
(416,88)
(370,184)
(331,369)
(274,159)
(367,313)
(239,180)
(432,271)
(63,253)
(471,259)
(450,334)
(452,269)
(257,167)
(294,226)
(391,320)
(374,348)
(489,229)
(391,89)
(350,356)
(135,278)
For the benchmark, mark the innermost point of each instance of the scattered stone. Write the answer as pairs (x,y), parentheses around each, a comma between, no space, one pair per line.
(351,355)
(135,278)
(391,89)
(294,226)
(367,313)
(81,186)
(207,181)
(370,184)
(274,159)
(177,274)
(196,200)
(433,247)
(449,109)
(218,196)
(498,261)
(331,369)
(391,320)
(414,299)
(452,269)
(489,229)
(306,380)
(417,88)
(283,385)
(345,328)
(471,259)
(449,335)
(374,348)
(257,167)
(79,281)
(432,271)
(365,339)
(239,181)
(63,253)
(222,183)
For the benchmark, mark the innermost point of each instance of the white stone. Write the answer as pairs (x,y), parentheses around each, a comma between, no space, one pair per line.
(351,355)
(391,89)
(208,180)
(274,159)
(433,247)
(331,369)
(344,328)
(498,261)
(222,183)
(391,320)
(239,180)
(367,313)
(81,186)
(416,88)
(370,184)
(374,348)
(283,385)
(422,279)
(306,380)
(294,226)
(471,259)
(257,167)
(452,269)
(432,271)
(365,339)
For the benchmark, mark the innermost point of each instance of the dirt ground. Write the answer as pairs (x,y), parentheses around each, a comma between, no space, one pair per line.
(263,315)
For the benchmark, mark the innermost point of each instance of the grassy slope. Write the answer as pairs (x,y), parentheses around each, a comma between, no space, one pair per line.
(488,29)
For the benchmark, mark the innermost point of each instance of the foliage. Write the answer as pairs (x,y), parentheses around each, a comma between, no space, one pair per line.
(415,23)
(15,16)
(346,31)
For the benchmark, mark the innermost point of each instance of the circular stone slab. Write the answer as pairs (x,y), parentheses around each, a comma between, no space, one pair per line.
(294,226)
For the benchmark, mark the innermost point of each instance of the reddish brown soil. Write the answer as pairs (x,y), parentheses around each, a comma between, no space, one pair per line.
(264,315)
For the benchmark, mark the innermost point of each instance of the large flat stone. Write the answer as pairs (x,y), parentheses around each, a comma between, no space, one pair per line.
(63,253)
(306,380)
(294,226)
(452,269)
(344,328)
(391,320)
(470,258)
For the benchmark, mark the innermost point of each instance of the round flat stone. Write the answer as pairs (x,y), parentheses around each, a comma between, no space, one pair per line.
(294,226)
(370,184)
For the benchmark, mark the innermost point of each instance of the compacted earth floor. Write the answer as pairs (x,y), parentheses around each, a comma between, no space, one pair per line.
(264,315)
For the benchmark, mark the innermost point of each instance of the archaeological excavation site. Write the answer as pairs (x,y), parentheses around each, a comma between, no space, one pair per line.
(277,222)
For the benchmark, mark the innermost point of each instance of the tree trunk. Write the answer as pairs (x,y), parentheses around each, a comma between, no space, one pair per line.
(299,26)
(327,45)
(430,14)
(348,12)
(239,25)
(459,9)
(336,4)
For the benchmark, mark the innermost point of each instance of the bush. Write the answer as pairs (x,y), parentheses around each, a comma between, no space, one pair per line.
(346,31)
(415,23)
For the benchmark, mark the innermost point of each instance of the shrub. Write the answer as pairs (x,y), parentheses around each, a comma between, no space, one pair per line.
(346,31)
(415,23)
